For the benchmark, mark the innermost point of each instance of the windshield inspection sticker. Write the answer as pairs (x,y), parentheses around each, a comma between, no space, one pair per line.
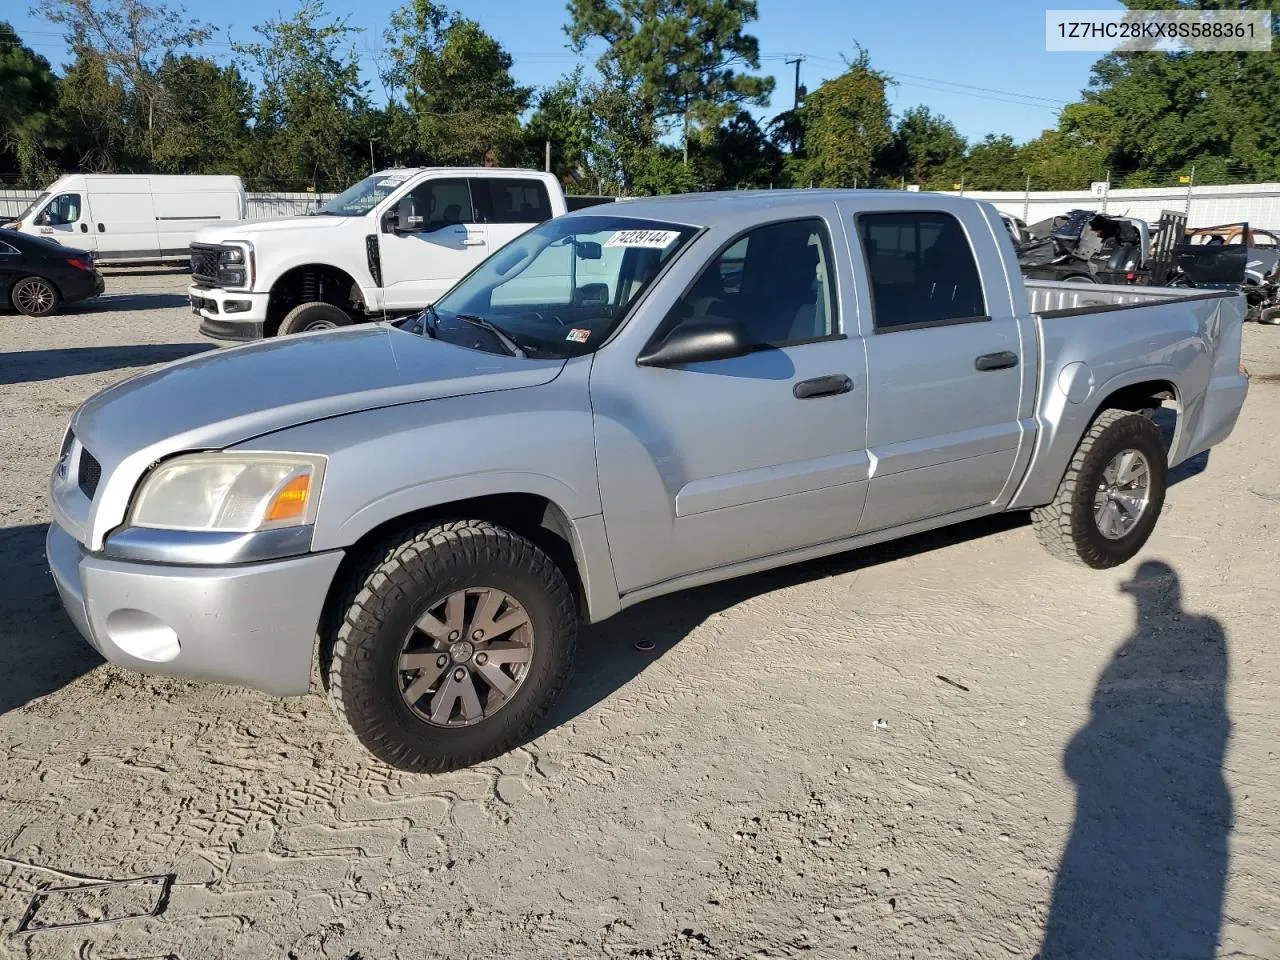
(654,239)
(578,335)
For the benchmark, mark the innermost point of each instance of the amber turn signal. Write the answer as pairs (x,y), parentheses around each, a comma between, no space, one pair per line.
(291,502)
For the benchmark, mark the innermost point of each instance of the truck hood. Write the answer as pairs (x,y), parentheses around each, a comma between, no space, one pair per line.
(248,229)
(226,396)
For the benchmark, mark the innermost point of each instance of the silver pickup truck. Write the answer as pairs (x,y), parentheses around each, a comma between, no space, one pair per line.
(617,405)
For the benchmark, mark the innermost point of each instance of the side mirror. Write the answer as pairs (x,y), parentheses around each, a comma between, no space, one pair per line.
(698,342)
(408,220)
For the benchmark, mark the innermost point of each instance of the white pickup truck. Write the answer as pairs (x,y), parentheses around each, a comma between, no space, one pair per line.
(390,244)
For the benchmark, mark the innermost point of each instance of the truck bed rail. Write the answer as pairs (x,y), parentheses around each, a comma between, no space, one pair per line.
(1056,298)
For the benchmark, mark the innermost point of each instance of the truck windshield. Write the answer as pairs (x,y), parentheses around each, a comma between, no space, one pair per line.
(33,205)
(358,200)
(561,288)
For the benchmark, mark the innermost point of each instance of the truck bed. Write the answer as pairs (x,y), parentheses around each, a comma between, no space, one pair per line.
(1097,340)
(1056,298)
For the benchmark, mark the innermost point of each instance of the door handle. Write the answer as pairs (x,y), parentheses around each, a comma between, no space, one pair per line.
(84,228)
(473,242)
(996,361)
(822,387)
(101,228)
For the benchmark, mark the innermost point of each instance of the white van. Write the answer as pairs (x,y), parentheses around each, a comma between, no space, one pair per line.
(128,218)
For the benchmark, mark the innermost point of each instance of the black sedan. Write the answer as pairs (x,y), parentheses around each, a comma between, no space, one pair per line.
(38,274)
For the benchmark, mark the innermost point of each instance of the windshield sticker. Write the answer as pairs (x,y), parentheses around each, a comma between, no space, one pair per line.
(653,239)
(391,181)
(578,335)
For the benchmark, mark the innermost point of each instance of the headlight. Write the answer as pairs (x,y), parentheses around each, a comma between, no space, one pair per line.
(230,492)
(236,266)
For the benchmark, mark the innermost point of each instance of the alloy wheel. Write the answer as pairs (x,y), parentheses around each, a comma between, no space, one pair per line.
(465,657)
(1123,494)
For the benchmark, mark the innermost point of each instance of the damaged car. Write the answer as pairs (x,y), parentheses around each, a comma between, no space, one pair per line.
(1086,246)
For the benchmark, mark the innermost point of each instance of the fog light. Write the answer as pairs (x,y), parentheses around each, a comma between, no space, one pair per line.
(143,636)
(237,306)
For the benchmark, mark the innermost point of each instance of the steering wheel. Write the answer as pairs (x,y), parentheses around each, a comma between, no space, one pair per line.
(552,316)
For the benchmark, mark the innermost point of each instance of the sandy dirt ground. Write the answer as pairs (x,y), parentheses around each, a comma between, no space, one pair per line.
(954,746)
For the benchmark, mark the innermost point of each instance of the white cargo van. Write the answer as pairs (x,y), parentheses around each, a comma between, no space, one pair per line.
(128,218)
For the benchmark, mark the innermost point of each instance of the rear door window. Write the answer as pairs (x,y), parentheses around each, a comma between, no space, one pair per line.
(511,200)
(921,270)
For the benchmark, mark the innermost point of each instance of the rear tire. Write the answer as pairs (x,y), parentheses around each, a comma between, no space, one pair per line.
(35,297)
(313,316)
(410,663)
(1104,510)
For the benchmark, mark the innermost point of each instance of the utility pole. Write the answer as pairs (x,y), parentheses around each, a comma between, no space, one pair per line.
(1191,182)
(372,167)
(799,90)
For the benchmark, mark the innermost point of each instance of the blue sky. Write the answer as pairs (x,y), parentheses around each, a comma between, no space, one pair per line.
(982,65)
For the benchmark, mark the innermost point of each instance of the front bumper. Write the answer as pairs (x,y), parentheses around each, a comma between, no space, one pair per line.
(229,314)
(253,624)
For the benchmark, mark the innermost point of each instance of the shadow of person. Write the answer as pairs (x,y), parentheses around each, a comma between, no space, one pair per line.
(1144,871)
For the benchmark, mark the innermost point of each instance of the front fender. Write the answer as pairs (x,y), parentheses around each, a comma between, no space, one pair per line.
(399,460)
(444,490)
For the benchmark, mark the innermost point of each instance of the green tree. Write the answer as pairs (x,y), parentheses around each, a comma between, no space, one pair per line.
(131,39)
(1078,152)
(995,163)
(682,57)
(739,155)
(463,105)
(1156,113)
(94,107)
(926,149)
(846,126)
(562,119)
(311,112)
(208,109)
(30,131)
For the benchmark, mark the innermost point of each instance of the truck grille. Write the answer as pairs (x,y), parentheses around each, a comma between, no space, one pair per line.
(90,473)
(204,265)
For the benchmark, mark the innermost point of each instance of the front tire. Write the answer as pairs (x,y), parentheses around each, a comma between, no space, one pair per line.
(1111,496)
(35,297)
(452,647)
(315,315)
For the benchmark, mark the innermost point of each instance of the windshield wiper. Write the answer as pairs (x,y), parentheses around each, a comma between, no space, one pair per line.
(502,336)
(429,322)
